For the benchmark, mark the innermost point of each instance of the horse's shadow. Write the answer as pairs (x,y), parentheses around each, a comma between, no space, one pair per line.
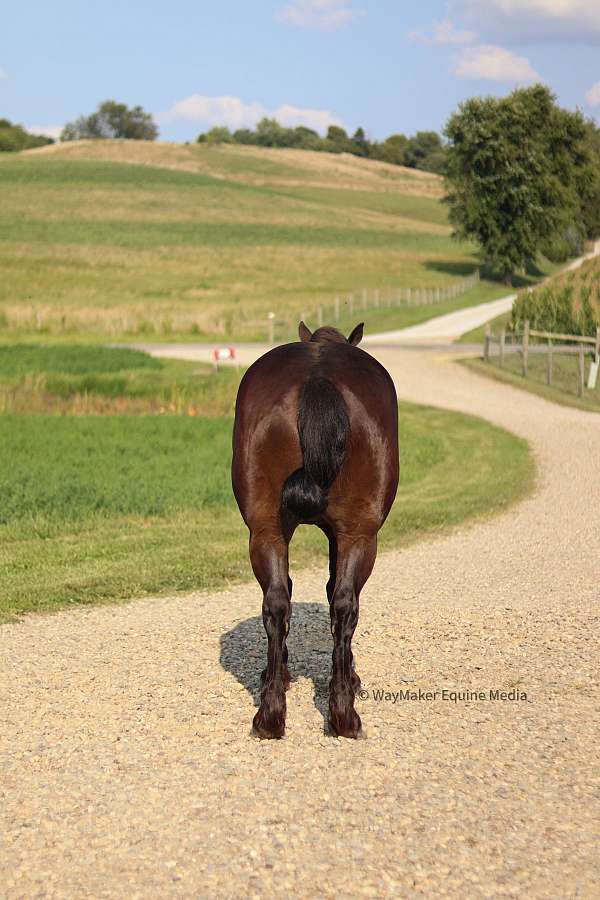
(244,652)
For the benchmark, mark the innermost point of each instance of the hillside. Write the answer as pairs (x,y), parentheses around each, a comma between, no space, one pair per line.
(124,238)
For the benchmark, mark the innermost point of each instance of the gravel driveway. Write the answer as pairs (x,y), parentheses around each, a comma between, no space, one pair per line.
(128,769)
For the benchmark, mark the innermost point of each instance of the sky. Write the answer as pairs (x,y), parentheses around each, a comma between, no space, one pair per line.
(386,66)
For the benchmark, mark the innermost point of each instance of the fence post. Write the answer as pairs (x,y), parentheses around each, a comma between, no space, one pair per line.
(408,295)
(271,327)
(597,348)
(376,297)
(365,298)
(487,342)
(581,381)
(525,348)
(337,309)
(550,362)
(502,343)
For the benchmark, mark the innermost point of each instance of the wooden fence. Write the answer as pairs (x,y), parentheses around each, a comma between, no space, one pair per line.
(522,341)
(353,304)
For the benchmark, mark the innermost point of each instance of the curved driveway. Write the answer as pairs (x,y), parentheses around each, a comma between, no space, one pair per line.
(129,771)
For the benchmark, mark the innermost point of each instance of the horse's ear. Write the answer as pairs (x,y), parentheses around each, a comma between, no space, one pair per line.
(355,336)
(305,334)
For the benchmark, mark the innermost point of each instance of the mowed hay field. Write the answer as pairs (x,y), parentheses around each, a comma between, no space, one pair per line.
(125,239)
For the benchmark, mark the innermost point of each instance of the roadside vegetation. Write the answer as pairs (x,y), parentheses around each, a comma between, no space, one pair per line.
(111,490)
(568,303)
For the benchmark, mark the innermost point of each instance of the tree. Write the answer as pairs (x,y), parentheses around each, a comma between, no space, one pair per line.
(393,149)
(305,138)
(339,140)
(425,151)
(216,135)
(590,206)
(244,136)
(14,138)
(112,120)
(360,145)
(269,133)
(517,168)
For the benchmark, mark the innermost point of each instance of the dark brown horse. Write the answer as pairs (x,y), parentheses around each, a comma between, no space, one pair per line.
(315,441)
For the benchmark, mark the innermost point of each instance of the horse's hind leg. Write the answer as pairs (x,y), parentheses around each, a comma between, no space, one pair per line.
(269,557)
(354,563)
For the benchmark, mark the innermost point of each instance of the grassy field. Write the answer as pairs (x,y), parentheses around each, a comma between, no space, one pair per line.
(564,377)
(109,490)
(125,240)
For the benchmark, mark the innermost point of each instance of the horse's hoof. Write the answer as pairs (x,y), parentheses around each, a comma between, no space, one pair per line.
(345,724)
(268,728)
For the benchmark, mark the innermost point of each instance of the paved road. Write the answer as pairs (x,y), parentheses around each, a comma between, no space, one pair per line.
(127,765)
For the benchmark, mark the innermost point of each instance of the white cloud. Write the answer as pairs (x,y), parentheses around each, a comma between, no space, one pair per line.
(3,74)
(234,113)
(531,21)
(326,15)
(494,64)
(593,95)
(444,32)
(53,131)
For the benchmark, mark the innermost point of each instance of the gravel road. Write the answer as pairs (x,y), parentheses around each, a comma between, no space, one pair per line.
(128,769)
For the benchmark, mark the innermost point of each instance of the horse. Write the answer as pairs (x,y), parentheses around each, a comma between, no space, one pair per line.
(315,441)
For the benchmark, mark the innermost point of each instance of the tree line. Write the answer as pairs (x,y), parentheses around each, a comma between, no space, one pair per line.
(14,138)
(425,150)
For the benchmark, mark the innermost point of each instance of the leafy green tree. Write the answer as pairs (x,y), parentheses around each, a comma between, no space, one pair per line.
(516,170)
(112,120)
(305,138)
(590,205)
(393,149)
(244,136)
(338,140)
(269,133)
(425,151)
(360,144)
(14,138)
(217,135)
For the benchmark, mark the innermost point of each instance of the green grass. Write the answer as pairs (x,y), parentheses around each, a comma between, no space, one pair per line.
(98,509)
(564,378)
(112,250)
(18,359)
(73,379)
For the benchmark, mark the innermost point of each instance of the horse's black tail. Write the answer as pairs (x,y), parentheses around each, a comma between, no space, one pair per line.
(323,427)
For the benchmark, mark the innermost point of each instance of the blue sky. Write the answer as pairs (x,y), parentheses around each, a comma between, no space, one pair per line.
(388,66)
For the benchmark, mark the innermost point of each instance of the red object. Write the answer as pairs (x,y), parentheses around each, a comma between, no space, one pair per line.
(223,353)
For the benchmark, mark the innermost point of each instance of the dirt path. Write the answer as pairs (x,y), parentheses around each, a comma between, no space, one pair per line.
(128,769)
